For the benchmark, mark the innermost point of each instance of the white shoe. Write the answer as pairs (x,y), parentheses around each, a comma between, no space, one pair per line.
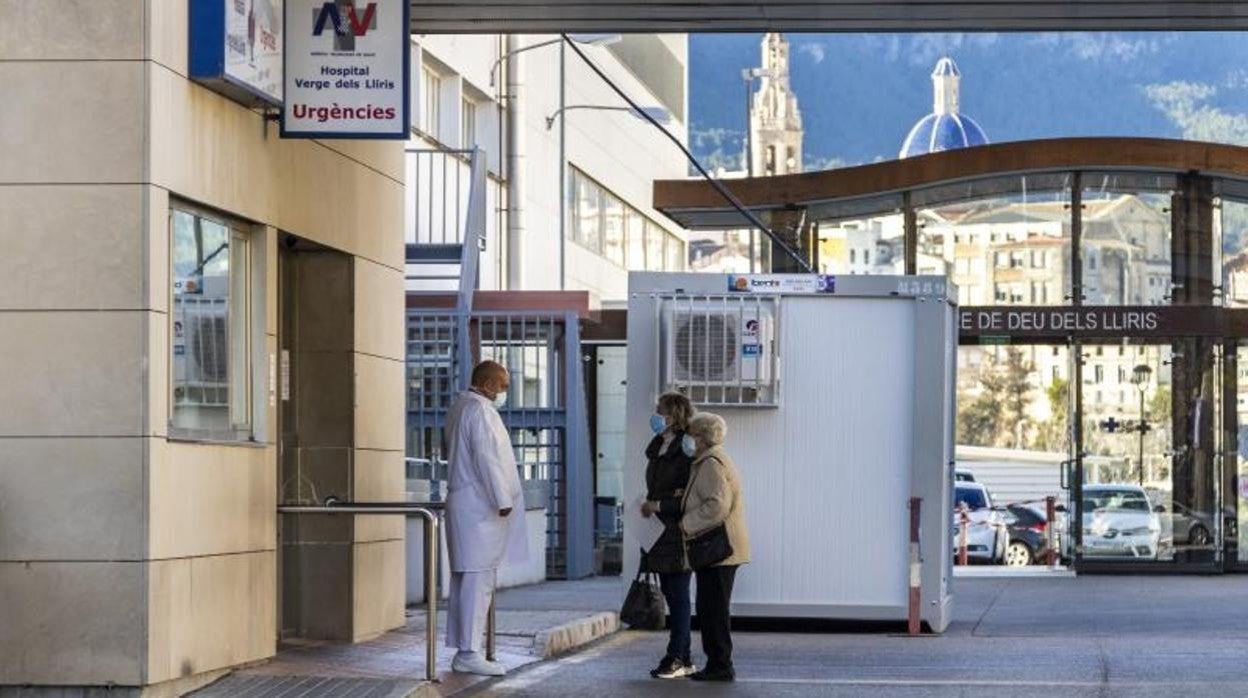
(476,663)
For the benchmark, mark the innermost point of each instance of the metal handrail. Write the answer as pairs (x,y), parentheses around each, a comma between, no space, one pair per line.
(431,562)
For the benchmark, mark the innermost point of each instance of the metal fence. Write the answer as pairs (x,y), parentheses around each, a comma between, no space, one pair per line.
(438,183)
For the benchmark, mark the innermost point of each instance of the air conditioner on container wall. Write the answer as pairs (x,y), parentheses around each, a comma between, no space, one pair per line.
(721,351)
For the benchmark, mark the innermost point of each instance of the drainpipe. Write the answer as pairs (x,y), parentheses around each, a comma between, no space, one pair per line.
(515,164)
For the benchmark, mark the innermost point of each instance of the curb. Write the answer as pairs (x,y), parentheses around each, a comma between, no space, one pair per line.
(424,690)
(569,636)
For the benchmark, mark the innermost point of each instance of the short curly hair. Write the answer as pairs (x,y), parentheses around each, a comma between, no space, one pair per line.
(678,408)
(709,427)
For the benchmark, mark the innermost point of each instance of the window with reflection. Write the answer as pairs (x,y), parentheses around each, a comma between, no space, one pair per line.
(728,251)
(1002,241)
(603,223)
(210,326)
(875,245)
(1232,220)
(1125,247)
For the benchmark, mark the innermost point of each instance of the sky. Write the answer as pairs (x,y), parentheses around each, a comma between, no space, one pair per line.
(860,93)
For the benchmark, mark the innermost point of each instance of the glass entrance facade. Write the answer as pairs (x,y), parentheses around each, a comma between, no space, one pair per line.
(1131,421)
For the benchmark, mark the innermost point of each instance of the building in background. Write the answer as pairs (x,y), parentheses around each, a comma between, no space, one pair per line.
(775,120)
(773,147)
(502,94)
(570,168)
(199,320)
(946,128)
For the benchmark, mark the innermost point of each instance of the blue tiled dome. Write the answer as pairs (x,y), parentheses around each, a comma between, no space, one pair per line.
(945,128)
(937,132)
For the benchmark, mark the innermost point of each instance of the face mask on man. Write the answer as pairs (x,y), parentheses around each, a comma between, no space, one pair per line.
(688,445)
(657,423)
(500,399)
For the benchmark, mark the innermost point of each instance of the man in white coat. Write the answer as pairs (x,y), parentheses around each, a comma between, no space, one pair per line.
(484,512)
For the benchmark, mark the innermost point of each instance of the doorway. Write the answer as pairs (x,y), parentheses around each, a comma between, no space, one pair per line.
(1147,485)
(315,396)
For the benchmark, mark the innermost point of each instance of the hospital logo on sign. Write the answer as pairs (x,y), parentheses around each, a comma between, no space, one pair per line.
(346,20)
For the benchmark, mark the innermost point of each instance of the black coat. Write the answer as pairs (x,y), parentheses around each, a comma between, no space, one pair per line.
(667,475)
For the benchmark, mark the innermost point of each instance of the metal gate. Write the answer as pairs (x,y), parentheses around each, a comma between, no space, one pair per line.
(545,413)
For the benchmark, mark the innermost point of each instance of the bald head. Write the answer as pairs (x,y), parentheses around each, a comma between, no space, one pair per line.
(490,378)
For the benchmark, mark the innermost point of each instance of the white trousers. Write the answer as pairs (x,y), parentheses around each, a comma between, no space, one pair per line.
(467,607)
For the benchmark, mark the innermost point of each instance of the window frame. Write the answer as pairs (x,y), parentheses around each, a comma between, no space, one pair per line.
(430,95)
(467,122)
(241,315)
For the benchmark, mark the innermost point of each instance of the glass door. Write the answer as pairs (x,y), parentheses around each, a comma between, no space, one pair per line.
(1150,480)
(1235,458)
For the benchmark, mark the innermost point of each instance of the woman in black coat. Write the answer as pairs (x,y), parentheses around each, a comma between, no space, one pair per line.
(667,475)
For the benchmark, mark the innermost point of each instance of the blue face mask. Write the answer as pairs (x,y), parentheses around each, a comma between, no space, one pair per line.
(657,423)
(688,445)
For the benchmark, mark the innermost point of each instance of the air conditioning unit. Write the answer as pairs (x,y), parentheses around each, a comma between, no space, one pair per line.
(721,351)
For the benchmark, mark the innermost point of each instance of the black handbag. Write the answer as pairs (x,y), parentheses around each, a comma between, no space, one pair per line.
(708,548)
(643,606)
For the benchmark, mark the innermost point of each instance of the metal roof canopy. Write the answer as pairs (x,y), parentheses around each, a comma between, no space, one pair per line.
(649,16)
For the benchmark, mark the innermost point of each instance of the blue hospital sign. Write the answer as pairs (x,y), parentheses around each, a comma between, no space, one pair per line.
(236,48)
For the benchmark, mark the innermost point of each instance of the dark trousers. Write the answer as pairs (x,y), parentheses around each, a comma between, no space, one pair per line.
(676,590)
(714,599)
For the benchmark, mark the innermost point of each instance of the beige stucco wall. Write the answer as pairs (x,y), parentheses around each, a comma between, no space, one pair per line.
(127,558)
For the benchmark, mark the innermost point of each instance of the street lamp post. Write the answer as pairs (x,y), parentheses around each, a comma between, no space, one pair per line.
(588,40)
(1139,376)
(657,113)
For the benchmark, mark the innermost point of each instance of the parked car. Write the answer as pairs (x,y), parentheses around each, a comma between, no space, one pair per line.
(1028,535)
(986,536)
(963,476)
(1190,528)
(1119,522)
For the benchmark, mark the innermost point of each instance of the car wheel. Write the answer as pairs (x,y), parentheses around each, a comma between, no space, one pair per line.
(1017,554)
(1199,537)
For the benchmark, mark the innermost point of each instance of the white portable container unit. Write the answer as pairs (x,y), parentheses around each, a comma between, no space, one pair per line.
(839,398)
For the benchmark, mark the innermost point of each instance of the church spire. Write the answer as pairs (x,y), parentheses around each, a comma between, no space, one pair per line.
(775,120)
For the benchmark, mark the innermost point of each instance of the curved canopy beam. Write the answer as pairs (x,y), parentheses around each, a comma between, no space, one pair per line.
(696,205)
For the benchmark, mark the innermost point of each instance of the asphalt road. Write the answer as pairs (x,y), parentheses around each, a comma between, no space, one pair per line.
(1091,636)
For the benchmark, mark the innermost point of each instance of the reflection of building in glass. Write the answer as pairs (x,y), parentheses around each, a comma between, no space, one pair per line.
(1126,250)
(727,252)
(1008,251)
(1005,252)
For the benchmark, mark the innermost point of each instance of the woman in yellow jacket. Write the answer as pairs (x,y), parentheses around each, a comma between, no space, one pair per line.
(712,498)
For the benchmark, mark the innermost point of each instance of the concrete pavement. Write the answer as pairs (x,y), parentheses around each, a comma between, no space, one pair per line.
(534,623)
(1086,636)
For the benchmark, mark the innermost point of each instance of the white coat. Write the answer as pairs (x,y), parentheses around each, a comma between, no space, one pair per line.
(483,479)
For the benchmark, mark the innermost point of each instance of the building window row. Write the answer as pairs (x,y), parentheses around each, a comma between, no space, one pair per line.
(603,223)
